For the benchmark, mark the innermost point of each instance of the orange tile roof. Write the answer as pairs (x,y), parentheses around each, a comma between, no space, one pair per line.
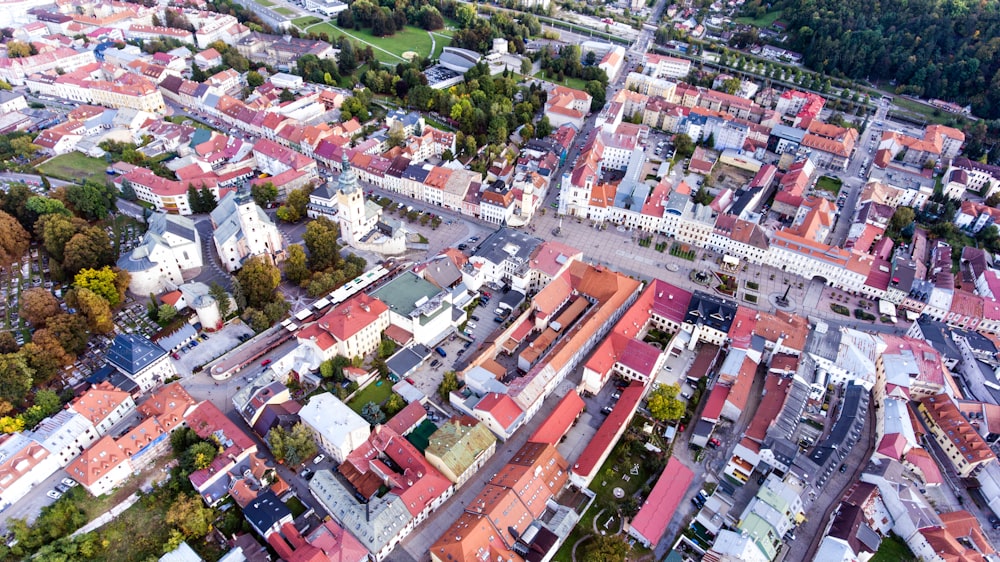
(168,405)
(959,525)
(792,327)
(98,402)
(97,461)
(946,415)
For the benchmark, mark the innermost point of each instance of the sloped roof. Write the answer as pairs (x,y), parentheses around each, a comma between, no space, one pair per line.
(132,353)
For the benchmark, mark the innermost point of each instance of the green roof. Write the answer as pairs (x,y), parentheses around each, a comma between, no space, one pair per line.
(402,293)
(459,445)
(762,533)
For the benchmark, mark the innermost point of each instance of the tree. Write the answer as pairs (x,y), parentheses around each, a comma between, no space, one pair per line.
(46,355)
(334,368)
(320,239)
(207,200)
(190,516)
(97,311)
(94,200)
(194,201)
(16,377)
(702,196)
(7,342)
(14,240)
(373,413)
(254,79)
(22,147)
(46,206)
(103,282)
(394,404)
(220,295)
(397,134)
(258,279)
(288,214)
(293,446)
(55,232)
(448,384)
(543,128)
(298,199)
(201,455)
(683,145)
(465,15)
(606,548)
(663,402)
(88,249)
(347,61)
(296,268)
(526,66)
(71,332)
(263,193)
(38,305)
(165,313)
(901,218)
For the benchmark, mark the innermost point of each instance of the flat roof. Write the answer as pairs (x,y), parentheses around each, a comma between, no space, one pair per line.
(402,293)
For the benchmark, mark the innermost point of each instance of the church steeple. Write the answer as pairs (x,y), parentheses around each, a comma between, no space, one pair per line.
(348,179)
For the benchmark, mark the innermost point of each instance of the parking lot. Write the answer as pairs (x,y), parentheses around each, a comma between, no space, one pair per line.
(210,346)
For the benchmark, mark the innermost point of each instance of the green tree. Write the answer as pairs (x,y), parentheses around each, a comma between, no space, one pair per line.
(194,200)
(296,266)
(465,14)
(293,446)
(702,196)
(190,516)
(71,332)
(320,239)
(373,413)
(206,200)
(394,404)
(55,232)
(606,548)
(683,145)
(288,213)
(165,313)
(46,206)
(901,218)
(663,403)
(201,455)
(92,199)
(88,249)
(15,377)
(449,383)
(263,193)
(102,281)
(220,295)
(333,368)
(258,280)
(254,79)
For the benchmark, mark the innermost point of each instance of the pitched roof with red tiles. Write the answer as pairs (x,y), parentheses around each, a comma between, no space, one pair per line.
(502,408)
(168,404)
(560,420)
(97,461)
(658,509)
(959,539)
(408,418)
(343,321)
(208,422)
(98,402)
(716,401)
(607,435)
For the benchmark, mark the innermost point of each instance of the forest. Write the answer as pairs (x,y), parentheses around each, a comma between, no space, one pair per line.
(948,49)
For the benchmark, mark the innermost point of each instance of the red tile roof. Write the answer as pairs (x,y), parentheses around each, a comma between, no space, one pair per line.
(344,321)
(560,420)
(607,435)
(661,504)
(716,400)
(501,407)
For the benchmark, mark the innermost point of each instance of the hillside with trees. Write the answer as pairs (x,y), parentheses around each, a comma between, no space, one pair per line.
(945,49)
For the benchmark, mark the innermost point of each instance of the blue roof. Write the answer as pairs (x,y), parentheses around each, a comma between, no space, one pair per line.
(131,353)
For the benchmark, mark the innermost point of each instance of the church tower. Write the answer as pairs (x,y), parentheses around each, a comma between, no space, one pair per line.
(350,203)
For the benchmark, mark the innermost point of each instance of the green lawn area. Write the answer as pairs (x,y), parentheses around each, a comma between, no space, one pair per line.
(75,166)
(265,3)
(893,550)
(917,110)
(296,506)
(437,124)
(830,184)
(306,21)
(570,82)
(284,11)
(375,392)
(764,21)
(387,49)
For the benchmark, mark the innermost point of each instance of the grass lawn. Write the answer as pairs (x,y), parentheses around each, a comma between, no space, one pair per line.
(577,83)
(893,549)
(917,110)
(827,183)
(265,3)
(437,124)
(284,11)
(306,21)
(375,392)
(764,21)
(387,49)
(296,506)
(75,166)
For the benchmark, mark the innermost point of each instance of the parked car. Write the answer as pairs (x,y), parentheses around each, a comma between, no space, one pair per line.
(440,351)
(319,458)
(53,494)
(306,473)
(265,363)
(606,410)
(435,363)
(69,482)
(62,488)
(616,395)
(476,318)
(714,442)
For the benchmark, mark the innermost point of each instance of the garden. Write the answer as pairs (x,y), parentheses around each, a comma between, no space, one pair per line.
(840,309)
(727,284)
(682,251)
(829,184)
(75,167)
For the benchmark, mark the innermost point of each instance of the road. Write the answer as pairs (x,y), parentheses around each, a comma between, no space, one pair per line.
(31,178)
